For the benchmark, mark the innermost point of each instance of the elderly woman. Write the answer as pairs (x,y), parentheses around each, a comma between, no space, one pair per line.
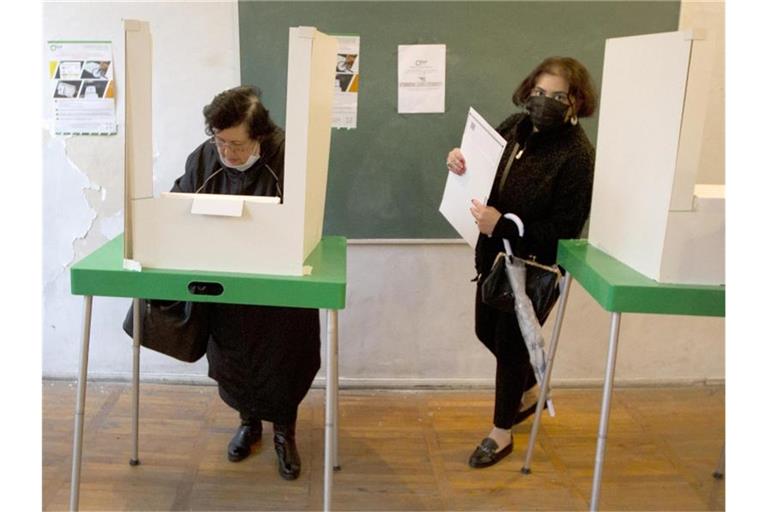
(545,181)
(263,358)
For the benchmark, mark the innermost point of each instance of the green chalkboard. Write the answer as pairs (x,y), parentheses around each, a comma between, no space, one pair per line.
(386,177)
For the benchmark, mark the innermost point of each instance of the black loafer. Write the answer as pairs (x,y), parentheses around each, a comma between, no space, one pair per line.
(524,414)
(486,455)
(288,460)
(240,445)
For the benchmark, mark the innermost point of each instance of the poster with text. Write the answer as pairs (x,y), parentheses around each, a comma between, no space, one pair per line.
(347,83)
(420,78)
(82,87)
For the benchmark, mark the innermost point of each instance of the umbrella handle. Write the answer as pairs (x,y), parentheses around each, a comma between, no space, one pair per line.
(507,246)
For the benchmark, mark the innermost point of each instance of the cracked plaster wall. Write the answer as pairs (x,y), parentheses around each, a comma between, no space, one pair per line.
(83,175)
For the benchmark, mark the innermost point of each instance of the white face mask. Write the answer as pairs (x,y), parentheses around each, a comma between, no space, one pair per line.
(242,167)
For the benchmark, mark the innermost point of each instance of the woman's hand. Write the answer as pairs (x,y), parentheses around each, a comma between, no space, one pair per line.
(455,162)
(486,217)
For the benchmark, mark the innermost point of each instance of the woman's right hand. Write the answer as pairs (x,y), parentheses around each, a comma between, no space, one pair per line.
(455,162)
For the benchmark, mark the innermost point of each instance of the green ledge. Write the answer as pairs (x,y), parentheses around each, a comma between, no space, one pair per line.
(101,274)
(618,288)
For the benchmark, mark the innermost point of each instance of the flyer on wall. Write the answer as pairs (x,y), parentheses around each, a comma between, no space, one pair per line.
(347,83)
(420,78)
(82,87)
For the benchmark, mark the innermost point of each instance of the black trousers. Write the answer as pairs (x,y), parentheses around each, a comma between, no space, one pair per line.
(500,333)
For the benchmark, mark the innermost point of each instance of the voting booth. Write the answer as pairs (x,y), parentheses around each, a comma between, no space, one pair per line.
(225,233)
(648,209)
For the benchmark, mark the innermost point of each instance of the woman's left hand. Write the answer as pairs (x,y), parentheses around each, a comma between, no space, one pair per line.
(486,217)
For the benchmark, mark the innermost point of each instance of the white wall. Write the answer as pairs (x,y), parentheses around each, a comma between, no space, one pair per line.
(709,16)
(409,315)
(195,56)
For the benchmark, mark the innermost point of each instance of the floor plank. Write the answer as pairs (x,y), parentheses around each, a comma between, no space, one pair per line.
(399,450)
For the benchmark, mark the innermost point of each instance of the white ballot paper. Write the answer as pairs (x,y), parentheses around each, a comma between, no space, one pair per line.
(482,148)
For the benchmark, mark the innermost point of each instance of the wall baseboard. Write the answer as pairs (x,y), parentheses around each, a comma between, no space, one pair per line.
(399,383)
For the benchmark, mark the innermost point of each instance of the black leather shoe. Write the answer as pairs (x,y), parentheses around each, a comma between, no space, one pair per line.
(288,460)
(524,414)
(528,404)
(240,445)
(486,455)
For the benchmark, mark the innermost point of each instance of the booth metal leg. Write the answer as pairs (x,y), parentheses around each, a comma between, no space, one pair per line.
(605,410)
(134,461)
(82,382)
(720,469)
(544,388)
(336,463)
(331,406)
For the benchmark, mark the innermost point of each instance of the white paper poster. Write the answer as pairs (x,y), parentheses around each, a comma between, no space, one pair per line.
(420,78)
(482,147)
(82,87)
(344,113)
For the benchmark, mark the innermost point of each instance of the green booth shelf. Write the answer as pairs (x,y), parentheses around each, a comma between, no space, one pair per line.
(618,288)
(102,274)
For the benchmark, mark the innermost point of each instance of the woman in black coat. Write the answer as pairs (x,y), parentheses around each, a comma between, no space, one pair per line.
(544,181)
(264,358)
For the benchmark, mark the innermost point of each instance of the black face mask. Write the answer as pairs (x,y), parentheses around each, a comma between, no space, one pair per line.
(546,113)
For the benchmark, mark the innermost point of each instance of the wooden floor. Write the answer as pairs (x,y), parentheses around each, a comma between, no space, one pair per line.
(399,450)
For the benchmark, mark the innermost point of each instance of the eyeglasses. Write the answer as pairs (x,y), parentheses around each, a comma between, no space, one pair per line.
(237,148)
(562,97)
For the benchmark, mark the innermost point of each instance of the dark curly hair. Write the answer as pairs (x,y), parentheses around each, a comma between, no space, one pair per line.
(239,105)
(570,69)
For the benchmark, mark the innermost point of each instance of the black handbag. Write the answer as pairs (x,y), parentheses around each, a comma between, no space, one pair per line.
(176,328)
(541,286)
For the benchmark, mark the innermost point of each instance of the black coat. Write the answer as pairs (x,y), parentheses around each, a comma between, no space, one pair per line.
(259,179)
(549,187)
(263,358)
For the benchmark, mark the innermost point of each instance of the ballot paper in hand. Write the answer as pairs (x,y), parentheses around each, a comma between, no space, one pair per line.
(482,148)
